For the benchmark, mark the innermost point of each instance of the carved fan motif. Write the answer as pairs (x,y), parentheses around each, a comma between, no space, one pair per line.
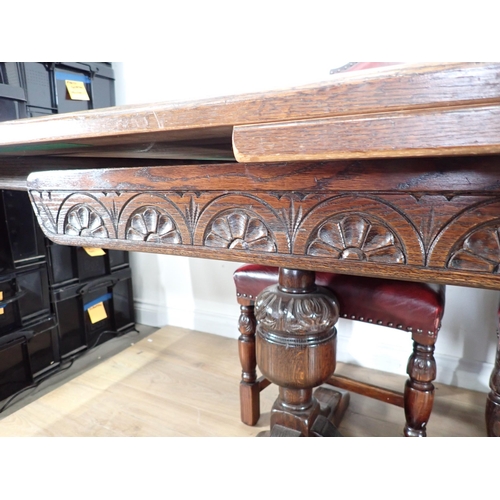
(84,221)
(355,238)
(239,231)
(480,251)
(148,224)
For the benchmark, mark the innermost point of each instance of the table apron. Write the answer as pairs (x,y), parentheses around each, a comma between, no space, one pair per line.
(416,229)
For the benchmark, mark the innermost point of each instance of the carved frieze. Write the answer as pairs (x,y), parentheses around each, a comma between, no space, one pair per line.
(350,230)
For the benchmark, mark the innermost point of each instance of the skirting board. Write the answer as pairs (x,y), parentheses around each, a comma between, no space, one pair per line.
(375,354)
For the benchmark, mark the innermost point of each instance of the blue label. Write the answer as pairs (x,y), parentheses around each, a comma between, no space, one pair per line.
(102,298)
(76,77)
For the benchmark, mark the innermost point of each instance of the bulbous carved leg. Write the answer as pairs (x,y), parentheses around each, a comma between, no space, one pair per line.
(296,346)
(493,401)
(419,390)
(249,386)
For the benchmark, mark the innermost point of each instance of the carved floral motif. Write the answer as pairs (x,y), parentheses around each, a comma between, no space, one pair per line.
(149,224)
(362,235)
(302,314)
(238,230)
(479,251)
(353,237)
(83,221)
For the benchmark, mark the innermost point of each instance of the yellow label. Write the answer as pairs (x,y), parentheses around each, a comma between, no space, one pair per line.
(97,313)
(77,91)
(1,298)
(94,252)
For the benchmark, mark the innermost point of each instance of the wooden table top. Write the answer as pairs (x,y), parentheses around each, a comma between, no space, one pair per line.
(393,111)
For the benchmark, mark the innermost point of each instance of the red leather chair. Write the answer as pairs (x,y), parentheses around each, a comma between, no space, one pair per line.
(415,308)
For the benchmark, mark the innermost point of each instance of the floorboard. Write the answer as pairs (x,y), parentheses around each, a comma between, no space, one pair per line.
(174,382)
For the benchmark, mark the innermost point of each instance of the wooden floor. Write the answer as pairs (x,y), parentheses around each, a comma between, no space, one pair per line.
(176,382)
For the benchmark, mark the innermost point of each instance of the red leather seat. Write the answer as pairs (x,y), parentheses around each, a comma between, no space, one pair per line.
(416,308)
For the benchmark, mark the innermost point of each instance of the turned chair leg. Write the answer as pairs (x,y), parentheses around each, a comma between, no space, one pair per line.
(249,385)
(419,390)
(493,401)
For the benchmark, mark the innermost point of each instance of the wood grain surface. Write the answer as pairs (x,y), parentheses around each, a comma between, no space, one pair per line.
(177,382)
(433,132)
(400,88)
(14,171)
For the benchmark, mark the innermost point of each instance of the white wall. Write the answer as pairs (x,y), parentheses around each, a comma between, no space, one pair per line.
(199,294)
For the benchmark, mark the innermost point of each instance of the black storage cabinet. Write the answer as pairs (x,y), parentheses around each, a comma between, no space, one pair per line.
(46,289)
(10,293)
(43,347)
(34,302)
(15,371)
(68,265)
(28,355)
(45,91)
(12,102)
(98,79)
(72,303)
(25,298)
(25,244)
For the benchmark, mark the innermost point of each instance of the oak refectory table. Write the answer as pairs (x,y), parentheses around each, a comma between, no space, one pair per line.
(388,172)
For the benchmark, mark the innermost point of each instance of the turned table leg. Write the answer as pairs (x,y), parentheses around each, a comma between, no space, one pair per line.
(493,401)
(296,348)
